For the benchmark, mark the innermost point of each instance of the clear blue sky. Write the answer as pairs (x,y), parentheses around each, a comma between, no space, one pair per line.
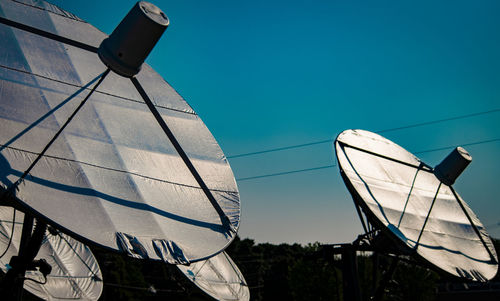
(265,74)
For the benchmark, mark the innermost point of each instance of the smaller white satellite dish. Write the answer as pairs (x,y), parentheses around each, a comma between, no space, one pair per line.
(75,273)
(415,204)
(219,277)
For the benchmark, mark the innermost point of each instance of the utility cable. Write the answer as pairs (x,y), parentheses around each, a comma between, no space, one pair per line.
(139,288)
(286,172)
(493,225)
(379,131)
(335,164)
(279,149)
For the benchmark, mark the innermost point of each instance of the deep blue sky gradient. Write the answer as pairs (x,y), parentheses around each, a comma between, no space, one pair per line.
(265,74)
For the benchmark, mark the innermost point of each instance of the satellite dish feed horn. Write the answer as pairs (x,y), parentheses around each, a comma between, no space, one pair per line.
(452,166)
(128,46)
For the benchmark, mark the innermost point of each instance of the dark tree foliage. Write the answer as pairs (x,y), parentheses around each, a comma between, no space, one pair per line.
(412,283)
(281,272)
(313,278)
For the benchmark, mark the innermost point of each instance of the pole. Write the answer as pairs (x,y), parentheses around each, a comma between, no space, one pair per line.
(375,263)
(350,273)
(379,293)
(31,241)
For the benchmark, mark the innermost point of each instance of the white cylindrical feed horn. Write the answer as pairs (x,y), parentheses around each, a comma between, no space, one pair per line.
(452,166)
(127,47)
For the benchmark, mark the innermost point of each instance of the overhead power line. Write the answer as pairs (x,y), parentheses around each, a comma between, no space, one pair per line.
(465,144)
(150,289)
(493,225)
(439,121)
(279,149)
(285,172)
(333,165)
(380,131)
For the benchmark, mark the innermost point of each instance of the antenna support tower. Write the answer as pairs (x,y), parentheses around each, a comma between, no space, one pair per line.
(31,241)
(126,49)
(452,166)
(350,272)
(369,242)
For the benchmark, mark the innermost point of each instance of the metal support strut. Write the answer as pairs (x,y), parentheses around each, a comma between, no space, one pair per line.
(226,223)
(31,241)
(350,273)
(379,292)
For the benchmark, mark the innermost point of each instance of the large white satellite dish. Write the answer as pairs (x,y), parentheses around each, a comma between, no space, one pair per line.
(119,161)
(415,204)
(75,273)
(219,277)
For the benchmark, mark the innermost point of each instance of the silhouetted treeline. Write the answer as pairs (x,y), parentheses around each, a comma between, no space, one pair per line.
(283,272)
